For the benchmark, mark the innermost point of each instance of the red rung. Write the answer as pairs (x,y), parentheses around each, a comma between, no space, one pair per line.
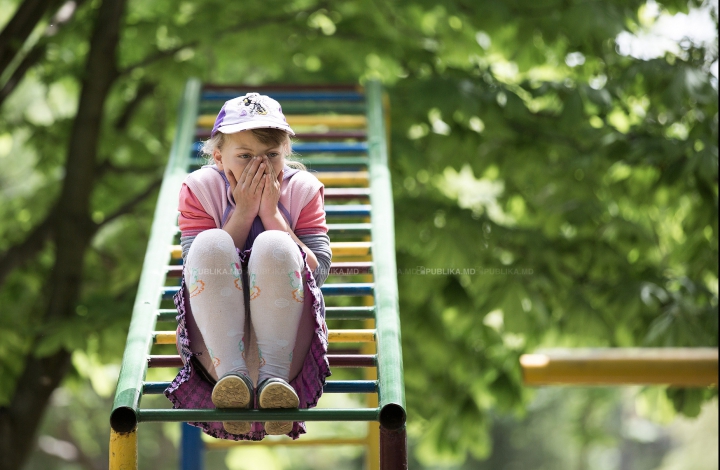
(351,267)
(346,193)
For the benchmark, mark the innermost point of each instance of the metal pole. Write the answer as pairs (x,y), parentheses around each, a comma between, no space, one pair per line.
(393,449)
(390,369)
(123,450)
(192,449)
(124,415)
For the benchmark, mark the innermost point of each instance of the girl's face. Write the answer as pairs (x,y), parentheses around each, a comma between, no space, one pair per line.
(239,149)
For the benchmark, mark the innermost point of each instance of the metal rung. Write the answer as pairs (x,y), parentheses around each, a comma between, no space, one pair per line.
(343,178)
(355,289)
(333,386)
(340,249)
(334,336)
(351,268)
(210,415)
(337,248)
(336,360)
(349,229)
(306,120)
(287,95)
(348,210)
(227,444)
(350,313)
(314,147)
(351,336)
(331,313)
(346,193)
(337,268)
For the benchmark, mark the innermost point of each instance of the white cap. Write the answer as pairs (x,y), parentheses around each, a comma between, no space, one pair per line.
(251,111)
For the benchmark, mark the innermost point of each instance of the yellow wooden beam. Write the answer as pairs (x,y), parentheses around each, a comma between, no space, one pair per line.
(690,367)
(123,450)
(336,121)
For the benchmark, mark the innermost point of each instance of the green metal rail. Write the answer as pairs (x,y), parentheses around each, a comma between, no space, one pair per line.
(390,412)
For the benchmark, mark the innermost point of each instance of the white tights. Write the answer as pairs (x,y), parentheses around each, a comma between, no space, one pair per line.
(217,299)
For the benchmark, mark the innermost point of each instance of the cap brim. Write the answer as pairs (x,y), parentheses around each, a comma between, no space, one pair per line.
(254,124)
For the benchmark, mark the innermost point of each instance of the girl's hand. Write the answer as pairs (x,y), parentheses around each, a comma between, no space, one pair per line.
(247,188)
(271,191)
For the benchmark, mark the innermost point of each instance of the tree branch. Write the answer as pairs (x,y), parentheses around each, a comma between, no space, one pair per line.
(109,167)
(63,16)
(144,90)
(26,250)
(19,28)
(130,205)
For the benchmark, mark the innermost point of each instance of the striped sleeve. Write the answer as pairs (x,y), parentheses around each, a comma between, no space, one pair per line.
(319,244)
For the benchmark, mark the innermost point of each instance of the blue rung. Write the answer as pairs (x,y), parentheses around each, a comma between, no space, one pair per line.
(337,147)
(348,210)
(358,288)
(311,147)
(333,386)
(288,95)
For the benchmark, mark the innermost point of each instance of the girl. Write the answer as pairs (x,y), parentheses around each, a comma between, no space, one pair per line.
(255,251)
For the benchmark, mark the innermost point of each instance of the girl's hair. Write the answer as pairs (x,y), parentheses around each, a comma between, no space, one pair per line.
(265,135)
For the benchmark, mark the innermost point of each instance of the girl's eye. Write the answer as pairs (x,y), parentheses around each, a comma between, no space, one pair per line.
(272,154)
(245,156)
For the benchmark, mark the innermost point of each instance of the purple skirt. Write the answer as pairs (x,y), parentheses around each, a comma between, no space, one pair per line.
(192,389)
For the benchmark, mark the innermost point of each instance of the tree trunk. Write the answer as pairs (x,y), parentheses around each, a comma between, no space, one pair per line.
(72,234)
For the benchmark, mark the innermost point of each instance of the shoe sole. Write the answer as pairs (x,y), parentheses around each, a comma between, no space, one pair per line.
(232,392)
(278,395)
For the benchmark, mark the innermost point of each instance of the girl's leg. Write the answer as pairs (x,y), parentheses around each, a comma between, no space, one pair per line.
(213,276)
(276,305)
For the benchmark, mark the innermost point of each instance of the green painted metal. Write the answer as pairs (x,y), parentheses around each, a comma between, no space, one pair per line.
(349,313)
(391,393)
(142,324)
(166,315)
(209,415)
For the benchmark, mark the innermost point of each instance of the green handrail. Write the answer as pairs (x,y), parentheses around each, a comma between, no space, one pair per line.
(391,390)
(125,414)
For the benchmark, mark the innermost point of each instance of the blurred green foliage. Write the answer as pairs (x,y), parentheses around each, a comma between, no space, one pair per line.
(580,185)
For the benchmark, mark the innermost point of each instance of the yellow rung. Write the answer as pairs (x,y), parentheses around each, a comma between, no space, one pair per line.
(334,336)
(305,120)
(338,249)
(351,248)
(223,444)
(343,178)
(164,337)
(351,336)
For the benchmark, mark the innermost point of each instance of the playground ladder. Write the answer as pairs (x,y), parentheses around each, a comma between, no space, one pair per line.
(340,134)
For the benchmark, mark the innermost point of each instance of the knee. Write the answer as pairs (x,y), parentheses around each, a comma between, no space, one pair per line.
(210,244)
(276,245)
